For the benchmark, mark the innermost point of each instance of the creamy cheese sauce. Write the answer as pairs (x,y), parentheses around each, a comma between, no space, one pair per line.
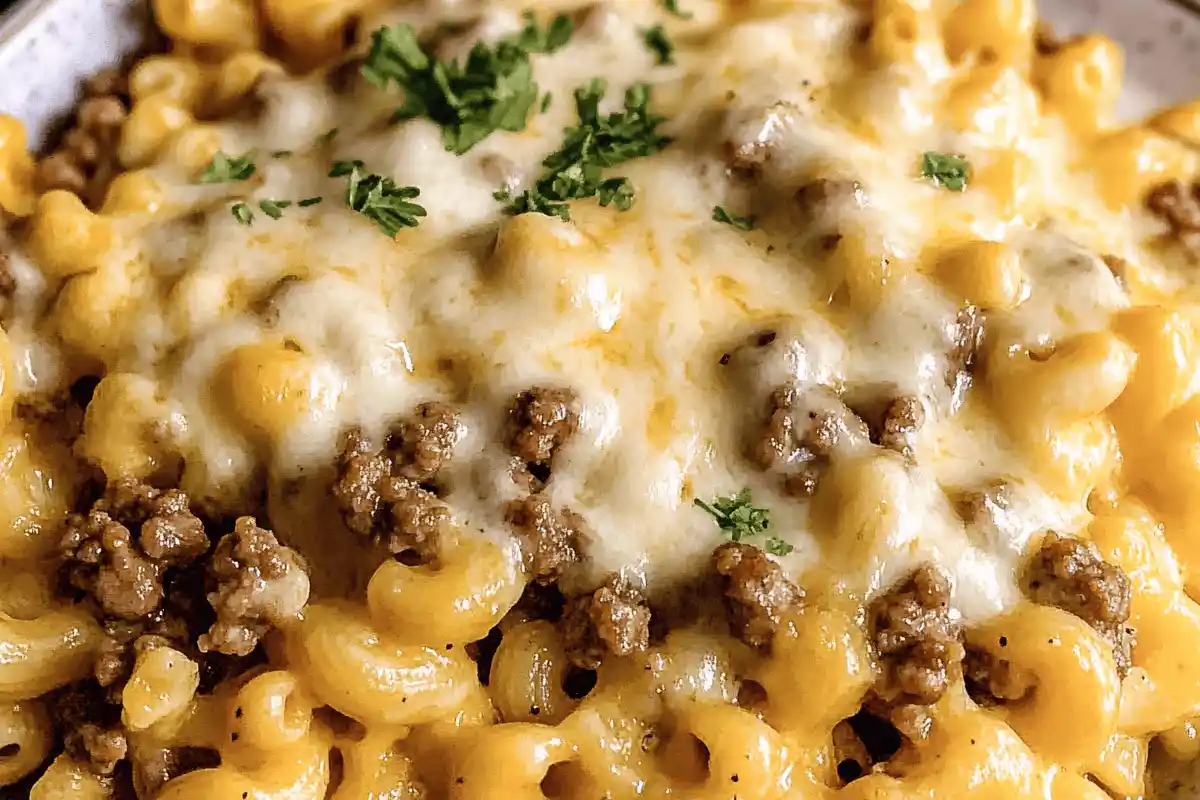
(632,310)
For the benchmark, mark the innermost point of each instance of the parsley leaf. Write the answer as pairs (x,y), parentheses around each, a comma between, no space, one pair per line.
(534,40)
(225,167)
(736,516)
(547,99)
(274,208)
(281,154)
(379,199)
(573,172)
(492,90)
(309,201)
(345,167)
(672,7)
(326,137)
(242,213)
(946,170)
(777,547)
(741,223)
(658,43)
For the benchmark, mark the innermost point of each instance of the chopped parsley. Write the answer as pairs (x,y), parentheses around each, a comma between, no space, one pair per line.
(327,137)
(242,213)
(533,39)
(672,7)
(274,208)
(492,90)
(573,172)
(379,199)
(736,516)
(657,42)
(281,154)
(719,214)
(309,201)
(547,99)
(345,167)
(777,547)
(225,167)
(945,170)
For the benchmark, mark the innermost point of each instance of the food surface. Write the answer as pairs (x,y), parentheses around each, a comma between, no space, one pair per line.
(647,398)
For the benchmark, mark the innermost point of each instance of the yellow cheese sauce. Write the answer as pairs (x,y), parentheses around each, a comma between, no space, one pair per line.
(233,357)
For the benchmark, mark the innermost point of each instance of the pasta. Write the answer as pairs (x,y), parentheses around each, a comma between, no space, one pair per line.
(706,399)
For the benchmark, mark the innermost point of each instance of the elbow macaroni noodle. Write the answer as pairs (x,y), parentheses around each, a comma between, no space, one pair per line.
(229,351)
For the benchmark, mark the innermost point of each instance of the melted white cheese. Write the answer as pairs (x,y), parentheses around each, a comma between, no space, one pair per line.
(632,310)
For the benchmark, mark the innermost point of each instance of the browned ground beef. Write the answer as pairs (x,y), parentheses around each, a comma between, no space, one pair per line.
(86,159)
(540,421)
(797,442)
(1178,206)
(124,575)
(259,584)
(144,562)
(380,505)
(992,680)
(613,619)
(903,418)
(756,592)
(90,726)
(917,638)
(966,339)
(425,441)
(549,537)
(1069,573)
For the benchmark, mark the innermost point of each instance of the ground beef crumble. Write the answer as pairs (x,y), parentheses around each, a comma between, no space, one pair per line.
(540,421)
(550,538)
(991,680)
(144,562)
(260,584)
(801,431)
(377,492)
(613,619)
(1069,573)
(966,341)
(917,638)
(756,592)
(1178,207)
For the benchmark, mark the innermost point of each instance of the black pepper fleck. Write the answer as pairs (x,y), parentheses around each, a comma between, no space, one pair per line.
(734,778)
(233,737)
(1004,641)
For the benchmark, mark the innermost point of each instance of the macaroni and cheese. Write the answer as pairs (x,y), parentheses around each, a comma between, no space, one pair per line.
(647,398)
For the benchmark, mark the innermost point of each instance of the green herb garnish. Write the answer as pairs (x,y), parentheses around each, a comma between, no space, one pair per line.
(672,7)
(533,39)
(345,167)
(326,137)
(547,99)
(379,199)
(777,547)
(242,213)
(945,170)
(492,90)
(658,43)
(309,201)
(736,516)
(274,208)
(224,167)
(573,172)
(281,154)
(742,223)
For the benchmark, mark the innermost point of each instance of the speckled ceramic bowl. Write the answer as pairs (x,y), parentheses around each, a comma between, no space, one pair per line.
(48,46)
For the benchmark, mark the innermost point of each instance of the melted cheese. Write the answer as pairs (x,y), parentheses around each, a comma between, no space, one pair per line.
(632,310)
